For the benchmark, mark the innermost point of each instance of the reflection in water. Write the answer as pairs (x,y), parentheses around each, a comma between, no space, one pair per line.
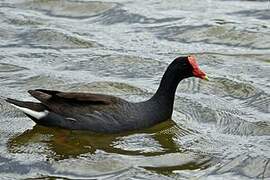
(61,145)
(66,143)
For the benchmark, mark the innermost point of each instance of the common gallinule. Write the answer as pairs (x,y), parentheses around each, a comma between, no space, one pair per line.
(109,114)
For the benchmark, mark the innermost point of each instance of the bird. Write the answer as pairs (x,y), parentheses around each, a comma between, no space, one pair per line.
(102,113)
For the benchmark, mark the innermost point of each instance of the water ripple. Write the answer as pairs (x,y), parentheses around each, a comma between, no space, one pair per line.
(67,9)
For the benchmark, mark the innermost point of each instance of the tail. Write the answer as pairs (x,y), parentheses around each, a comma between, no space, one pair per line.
(34,110)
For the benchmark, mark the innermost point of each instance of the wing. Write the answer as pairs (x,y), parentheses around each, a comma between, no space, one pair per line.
(48,96)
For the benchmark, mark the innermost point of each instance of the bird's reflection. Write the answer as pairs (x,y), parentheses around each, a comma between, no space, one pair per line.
(63,144)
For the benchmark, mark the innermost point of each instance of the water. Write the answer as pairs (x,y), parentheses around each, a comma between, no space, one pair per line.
(220,128)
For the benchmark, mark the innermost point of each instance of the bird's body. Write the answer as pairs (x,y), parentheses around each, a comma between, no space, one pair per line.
(104,113)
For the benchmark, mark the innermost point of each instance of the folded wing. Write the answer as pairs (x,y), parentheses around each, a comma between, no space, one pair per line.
(48,97)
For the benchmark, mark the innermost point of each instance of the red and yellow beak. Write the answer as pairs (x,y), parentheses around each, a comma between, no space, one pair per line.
(206,78)
(197,72)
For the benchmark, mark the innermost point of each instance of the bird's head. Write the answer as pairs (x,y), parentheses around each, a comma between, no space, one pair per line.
(196,71)
(188,67)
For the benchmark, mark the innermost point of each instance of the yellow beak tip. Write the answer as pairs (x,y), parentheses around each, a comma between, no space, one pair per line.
(206,78)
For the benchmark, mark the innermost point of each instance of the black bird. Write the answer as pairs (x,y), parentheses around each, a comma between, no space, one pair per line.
(109,114)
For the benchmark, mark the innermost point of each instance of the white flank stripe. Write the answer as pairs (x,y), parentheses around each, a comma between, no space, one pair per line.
(35,114)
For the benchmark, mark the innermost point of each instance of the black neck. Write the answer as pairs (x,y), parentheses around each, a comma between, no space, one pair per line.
(166,90)
(160,106)
(162,101)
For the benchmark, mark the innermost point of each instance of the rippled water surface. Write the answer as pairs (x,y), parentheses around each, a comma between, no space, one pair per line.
(220,128)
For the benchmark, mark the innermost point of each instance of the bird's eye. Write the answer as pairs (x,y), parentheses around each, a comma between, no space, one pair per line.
(185,64)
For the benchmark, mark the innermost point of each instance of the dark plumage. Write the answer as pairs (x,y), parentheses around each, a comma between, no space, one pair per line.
(109,114)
